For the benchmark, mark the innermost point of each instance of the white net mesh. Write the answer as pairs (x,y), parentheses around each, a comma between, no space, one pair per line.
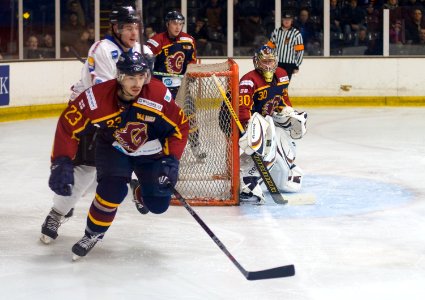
(206,165)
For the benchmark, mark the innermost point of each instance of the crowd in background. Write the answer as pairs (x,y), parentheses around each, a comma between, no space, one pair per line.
(355,24)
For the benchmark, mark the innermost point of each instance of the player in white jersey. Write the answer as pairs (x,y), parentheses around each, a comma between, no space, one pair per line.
(100,66)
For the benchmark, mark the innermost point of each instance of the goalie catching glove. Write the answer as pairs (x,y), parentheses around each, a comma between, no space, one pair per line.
(62,176)
(291,120)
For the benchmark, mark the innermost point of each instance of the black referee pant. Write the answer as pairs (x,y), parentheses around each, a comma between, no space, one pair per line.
(289,68)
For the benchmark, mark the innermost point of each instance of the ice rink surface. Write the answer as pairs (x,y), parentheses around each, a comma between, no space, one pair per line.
(363,239)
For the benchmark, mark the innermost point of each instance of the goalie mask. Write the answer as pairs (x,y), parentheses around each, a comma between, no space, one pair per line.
(265,62)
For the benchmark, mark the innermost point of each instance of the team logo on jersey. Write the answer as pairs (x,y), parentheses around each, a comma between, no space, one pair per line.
(149,103)
(284,79)
(168,96)
(168,82)
(114,54)
(91,99)
(247,82)
(269,107)
(143,117)
(185,38)
(174,63)
(90,63)
(132,136)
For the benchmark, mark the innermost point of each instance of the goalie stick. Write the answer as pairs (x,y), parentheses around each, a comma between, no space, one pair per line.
(279,272)
(258,161)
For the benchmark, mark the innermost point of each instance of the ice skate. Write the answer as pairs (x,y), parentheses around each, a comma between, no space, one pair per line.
(84,245)
(250,198)
(49,229)
(137,198)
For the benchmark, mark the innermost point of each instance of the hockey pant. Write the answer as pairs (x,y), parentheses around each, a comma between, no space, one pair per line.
(114,171)
(287,176)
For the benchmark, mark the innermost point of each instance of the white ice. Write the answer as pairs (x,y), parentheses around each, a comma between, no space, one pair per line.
(363,239)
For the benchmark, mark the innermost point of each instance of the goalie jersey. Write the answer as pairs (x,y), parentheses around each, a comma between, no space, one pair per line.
(150,125)
(256,95)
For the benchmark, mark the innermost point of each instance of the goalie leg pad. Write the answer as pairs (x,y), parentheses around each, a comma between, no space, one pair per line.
(287,176)
(294,182)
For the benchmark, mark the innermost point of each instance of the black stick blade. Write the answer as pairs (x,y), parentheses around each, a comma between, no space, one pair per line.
(285,271)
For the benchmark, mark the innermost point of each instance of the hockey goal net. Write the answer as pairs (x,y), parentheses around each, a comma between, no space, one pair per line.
(209,167)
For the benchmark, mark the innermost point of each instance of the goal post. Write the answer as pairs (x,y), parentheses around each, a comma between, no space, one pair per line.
(209,167)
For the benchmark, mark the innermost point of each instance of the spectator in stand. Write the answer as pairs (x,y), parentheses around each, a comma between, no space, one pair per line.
(201,36)
(74,6)
(396,33)
(391,4)
(362,38)
(335,16)
(32,51)
(414,26)
(373,19)
(422,37)
(251,28)
(70,33)
(213,11)
(306,27)
(48,46)
(396,12)
(82,45)
(92,37)
(1,56)
(354,19)
(149,32)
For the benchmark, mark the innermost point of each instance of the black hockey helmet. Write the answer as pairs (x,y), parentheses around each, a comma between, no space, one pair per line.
(174,15)
(132,63)
(123,15)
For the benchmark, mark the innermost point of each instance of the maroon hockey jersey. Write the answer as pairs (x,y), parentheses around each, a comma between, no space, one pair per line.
(153,116)
(172,56)
(256,95)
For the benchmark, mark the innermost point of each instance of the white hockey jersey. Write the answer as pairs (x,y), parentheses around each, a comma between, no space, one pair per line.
(101,64)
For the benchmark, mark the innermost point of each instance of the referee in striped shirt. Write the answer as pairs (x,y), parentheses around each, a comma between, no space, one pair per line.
(289,45)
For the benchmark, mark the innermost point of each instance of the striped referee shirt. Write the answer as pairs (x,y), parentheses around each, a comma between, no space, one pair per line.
(289,45)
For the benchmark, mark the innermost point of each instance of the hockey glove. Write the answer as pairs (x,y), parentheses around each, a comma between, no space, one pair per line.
(62,176)
(168,171)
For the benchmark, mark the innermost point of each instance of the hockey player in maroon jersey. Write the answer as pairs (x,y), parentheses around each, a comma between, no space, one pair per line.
(140,129)
(100,66)
(173,50)
(266,111)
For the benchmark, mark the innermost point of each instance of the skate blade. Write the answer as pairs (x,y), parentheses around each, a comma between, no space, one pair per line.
(45,239)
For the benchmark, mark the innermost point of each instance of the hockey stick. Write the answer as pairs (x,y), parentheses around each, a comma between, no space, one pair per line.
(279,272)
(258,161)
(167,74)
(77,56)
